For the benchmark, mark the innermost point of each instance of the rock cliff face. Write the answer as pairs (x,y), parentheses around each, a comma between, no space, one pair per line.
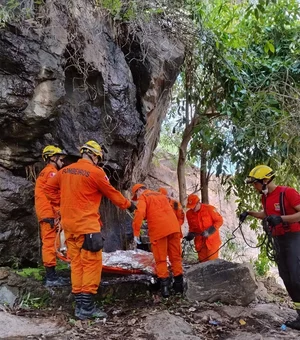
(67,77)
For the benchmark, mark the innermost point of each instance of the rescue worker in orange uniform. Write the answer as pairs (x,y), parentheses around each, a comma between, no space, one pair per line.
(164,234)
(176,206)
(78,189)
(204,222)
(46,214)
(281,211)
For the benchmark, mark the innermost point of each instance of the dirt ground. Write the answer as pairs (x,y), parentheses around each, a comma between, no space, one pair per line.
(128,319)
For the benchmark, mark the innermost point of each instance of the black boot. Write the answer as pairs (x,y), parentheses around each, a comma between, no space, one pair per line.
(164,287)
(77,304)
(295,324)
(53,280)
(88,309)
(178,284)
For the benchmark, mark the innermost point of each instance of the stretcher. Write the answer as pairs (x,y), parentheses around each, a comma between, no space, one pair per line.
(119,262)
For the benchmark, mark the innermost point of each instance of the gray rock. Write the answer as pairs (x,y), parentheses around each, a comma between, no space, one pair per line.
(16,326)
(165,326)
(66,87)
(219,280)
(8,295)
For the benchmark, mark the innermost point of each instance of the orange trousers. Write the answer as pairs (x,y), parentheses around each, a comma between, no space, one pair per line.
(86,266)
(168,246)
(205,252)
(48,236)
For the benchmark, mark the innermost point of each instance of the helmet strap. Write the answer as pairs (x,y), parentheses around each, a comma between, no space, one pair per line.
(55,161)
(264,189)
(89,154)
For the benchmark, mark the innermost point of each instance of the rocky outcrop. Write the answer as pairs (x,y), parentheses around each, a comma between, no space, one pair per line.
(69,76)
(219,280)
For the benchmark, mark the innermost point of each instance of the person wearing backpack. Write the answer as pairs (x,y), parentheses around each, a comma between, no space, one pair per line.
(281,211)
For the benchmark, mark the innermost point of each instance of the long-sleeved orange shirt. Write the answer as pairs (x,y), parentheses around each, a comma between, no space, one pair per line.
(204,218)
(82,185)
(156,209)
(43,207)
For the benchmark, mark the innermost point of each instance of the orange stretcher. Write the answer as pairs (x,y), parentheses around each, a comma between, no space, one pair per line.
(120,262)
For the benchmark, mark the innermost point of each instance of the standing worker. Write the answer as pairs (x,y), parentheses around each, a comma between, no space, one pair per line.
(79,188)
(176,206)
(204,222)
(46,214)
(281,210)
(164,234)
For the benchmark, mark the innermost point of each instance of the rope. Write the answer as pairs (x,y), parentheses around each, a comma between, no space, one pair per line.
(272,247)
(184,242)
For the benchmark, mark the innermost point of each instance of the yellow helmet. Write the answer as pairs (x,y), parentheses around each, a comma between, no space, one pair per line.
(259,173)
(92,146)
(51,150)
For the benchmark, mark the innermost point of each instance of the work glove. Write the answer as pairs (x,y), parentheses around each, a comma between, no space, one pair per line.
(243,216)
(189,236)
(209,231)
(274,220)
(137,240)
(50,221)
(132,207)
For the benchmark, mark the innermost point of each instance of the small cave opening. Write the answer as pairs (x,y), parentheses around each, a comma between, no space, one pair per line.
(140,68)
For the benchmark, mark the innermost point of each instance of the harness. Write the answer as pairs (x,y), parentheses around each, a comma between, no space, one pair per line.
(285,225)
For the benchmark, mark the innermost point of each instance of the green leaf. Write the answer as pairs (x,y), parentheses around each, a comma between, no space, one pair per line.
(266,47)
(271,47)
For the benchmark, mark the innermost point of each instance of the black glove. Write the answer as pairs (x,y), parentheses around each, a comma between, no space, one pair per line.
(274,220)
(243,216)
(209,231)
(50,221)
(189,236)
(132,207)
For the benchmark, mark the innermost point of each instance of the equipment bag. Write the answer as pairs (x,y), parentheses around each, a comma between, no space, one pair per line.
(93,242)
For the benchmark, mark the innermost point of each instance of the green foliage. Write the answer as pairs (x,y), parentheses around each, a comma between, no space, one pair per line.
(120,10)
(113,6)
(29,301)
(36,273)
(261,264)
(233,249)
(61,265)
(16,10)
(242,79)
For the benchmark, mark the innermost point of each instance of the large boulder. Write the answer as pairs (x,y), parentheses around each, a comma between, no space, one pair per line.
(219,280)
(71,76)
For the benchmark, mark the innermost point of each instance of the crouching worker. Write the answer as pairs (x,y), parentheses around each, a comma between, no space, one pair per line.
(204,222)
(79,188)
(53,156)
(164,234)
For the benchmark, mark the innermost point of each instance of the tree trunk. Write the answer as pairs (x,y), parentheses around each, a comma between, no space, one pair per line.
(204,177)
(181,174)
(187,135)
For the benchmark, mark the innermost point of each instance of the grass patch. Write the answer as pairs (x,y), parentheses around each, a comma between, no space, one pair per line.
(35,273)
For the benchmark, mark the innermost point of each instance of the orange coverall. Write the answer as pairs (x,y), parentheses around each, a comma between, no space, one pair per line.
(43,210)
(79,188)
(207,247)
(163,229)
